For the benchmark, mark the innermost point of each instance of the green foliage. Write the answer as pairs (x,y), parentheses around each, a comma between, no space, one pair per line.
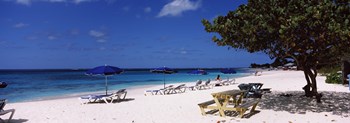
(254,65)
(312,32)
(334,78)
(279,62)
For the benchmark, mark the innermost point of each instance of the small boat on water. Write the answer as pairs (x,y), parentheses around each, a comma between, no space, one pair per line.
(3,84)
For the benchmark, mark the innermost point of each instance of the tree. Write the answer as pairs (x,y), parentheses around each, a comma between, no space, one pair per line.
(312,32)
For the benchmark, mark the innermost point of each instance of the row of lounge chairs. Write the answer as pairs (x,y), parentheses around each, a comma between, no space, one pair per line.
(110,98)
(200,85)
(171,89)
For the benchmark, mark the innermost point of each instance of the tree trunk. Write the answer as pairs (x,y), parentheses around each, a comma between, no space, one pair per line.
(314,87)
(309,75)
(346,71)
(307,87)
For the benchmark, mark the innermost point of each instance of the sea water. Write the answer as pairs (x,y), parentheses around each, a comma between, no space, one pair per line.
(31,85)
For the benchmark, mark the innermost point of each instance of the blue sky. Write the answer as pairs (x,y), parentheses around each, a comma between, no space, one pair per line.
(125,33)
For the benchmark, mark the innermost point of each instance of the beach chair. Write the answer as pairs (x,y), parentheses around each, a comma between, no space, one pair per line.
(232,81)
(225,82)
(197,86)
(159,91)
(179,89)
(257,87)
(91,98)
(4,112)
(222,83)
(154,92)
(206,85)
(228,82)
(253,90)
(115,96)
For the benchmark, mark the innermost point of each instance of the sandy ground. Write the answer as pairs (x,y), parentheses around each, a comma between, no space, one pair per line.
(284,105)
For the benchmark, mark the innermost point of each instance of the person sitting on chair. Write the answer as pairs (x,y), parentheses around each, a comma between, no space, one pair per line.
(218,78)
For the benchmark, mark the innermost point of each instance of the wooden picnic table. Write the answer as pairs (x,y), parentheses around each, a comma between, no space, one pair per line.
(222,100)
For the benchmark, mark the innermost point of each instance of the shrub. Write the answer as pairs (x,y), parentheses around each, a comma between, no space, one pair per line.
(334,78)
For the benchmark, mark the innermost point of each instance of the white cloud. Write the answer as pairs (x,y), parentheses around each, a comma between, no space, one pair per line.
(80,1)
(99,36)
(20,25)
(51,37)
(24,2)
(96,34)
(148,9)
(177,7)
(183,51)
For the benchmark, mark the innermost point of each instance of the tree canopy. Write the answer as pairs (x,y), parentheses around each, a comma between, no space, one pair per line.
(312,32)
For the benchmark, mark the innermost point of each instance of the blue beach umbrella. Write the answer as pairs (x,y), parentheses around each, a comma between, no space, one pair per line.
(105,71)
(164,70)
(200,72)
(228,71)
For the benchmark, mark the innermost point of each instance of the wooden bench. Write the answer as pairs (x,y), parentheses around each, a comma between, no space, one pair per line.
(205,105)
(244,106)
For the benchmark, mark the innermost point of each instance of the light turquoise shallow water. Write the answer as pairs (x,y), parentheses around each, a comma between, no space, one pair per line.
(29,85)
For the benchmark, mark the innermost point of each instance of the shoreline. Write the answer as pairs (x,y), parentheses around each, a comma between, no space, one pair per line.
(56,85)
(163,108)
(77,95)
(131,88)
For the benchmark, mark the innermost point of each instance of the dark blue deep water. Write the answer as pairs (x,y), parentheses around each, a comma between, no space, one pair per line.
(30,85)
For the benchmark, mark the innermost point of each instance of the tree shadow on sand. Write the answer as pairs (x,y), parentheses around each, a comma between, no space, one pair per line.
(337,103)
(14,121)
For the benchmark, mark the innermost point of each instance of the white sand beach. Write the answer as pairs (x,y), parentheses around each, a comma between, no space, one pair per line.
(183,108)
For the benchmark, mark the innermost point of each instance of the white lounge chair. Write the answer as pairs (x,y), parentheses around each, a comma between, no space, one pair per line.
(197,86)
(154,92)
(162,91)
(91,98)
(178,89)
(206,85)
(3,112)
(232,81)
(116,96)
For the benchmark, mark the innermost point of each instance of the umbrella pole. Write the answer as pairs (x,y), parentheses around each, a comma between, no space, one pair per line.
(164,79)
(106,84)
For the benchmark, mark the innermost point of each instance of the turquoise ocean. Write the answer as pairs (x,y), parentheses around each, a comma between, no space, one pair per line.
(32,85)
